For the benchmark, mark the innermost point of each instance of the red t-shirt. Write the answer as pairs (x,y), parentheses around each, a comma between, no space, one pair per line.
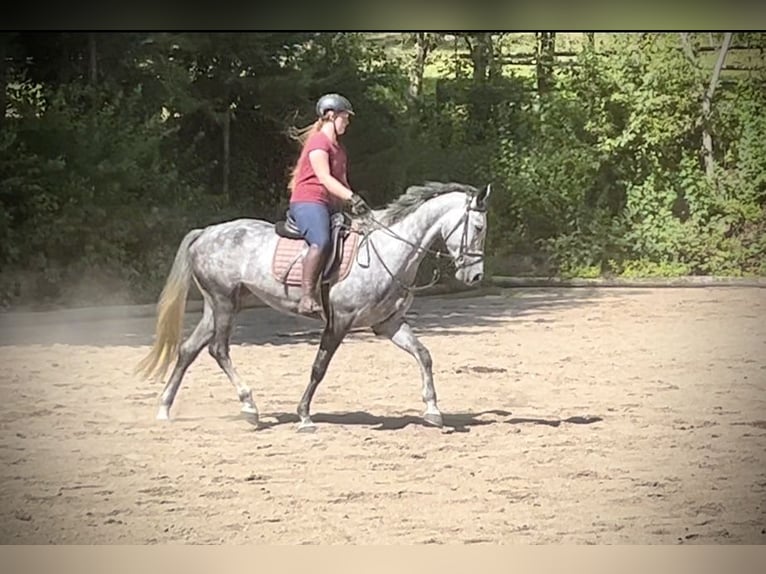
(307,185)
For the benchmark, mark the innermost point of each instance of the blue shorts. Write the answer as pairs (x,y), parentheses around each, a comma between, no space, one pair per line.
(313,220)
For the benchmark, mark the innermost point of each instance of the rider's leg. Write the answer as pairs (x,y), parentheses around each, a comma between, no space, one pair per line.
(313,220)
(312,268)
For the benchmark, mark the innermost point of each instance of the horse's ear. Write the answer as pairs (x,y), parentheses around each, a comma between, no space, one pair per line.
(483,196)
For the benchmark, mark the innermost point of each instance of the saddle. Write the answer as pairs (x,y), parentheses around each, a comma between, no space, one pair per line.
(287,264)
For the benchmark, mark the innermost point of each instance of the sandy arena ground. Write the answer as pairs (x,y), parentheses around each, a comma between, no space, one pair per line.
(572,416)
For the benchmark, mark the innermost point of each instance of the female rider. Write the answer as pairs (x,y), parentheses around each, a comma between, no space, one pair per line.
(319,187)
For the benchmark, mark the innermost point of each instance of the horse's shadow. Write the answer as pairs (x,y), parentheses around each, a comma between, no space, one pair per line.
(456,422)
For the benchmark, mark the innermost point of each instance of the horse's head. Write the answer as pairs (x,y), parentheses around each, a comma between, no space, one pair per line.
(464,231)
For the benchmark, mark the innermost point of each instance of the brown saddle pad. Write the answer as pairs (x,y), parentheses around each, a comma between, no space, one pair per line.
(287,265)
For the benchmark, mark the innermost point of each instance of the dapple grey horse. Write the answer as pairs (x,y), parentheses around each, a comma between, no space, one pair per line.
(227,258)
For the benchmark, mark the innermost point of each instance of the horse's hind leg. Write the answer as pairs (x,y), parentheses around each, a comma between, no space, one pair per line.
(225,311)
(188,351)
(402,336)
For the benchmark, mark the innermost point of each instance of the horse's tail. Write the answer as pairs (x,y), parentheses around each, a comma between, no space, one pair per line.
(170,313)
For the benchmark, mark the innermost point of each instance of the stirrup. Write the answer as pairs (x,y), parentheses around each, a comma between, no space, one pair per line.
(314,306)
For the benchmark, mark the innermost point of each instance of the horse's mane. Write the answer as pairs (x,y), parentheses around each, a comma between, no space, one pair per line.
(417,195)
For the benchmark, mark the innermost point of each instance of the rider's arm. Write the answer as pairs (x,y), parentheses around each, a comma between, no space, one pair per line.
(320,162)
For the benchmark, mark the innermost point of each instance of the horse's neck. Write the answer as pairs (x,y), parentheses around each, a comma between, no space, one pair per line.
(422,226)
(420,229)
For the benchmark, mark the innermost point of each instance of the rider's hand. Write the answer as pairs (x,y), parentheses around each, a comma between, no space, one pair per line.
(358,205)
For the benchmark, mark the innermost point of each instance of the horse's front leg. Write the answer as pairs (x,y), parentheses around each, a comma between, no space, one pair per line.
(333,334)
(402,336)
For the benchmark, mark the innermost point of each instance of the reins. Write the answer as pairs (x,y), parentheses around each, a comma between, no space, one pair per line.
(459,260)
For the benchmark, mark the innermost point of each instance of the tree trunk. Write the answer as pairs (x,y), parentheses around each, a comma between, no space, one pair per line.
(93,63)
(495,58)
(418,69)
(226,149)
(3,80)
(590,40)
(414,95)
(707,96)
(546,53)
(707,138)
(481,56)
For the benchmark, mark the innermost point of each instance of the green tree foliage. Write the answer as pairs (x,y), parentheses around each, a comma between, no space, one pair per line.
(613,180)
(112,146)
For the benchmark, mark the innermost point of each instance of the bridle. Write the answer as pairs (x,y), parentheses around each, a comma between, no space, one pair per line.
(464,253)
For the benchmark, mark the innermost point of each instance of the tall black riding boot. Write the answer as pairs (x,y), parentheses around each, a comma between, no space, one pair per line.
(312,268)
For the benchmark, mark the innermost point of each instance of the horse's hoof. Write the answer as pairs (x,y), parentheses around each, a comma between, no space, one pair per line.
(250,414)
(163,414)
(252,418)
(307,427)
(434,419)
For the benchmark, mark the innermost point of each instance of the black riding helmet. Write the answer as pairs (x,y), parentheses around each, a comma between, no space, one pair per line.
(335,103)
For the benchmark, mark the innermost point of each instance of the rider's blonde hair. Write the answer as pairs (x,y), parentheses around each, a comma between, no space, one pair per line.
(302,135)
